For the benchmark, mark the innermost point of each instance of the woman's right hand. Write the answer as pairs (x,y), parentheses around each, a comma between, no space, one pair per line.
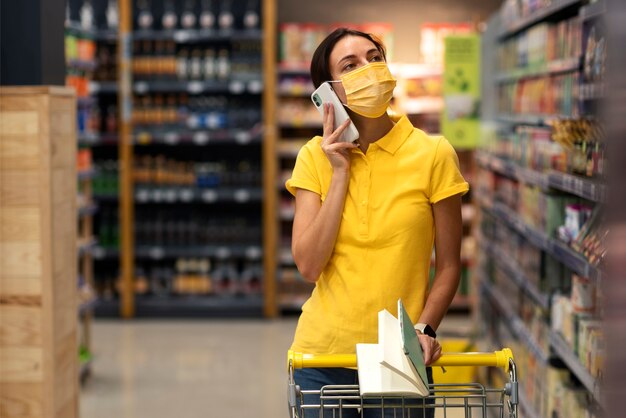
(338,153)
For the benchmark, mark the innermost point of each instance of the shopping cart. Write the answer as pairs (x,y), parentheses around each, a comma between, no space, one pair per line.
(471,399)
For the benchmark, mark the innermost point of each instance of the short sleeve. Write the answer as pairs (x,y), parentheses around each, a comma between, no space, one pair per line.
(304,175)
(446,179)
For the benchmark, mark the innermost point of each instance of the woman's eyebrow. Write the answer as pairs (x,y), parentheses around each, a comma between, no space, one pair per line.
(351,56)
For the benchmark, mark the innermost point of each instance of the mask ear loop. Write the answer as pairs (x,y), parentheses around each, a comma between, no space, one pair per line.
(331,86)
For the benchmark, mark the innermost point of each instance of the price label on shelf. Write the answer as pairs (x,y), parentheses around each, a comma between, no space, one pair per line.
(142,195)
(157,195)
(141,87)
(156,253)
(98,253)
(255,86)
(243,137)
(209,196)
(93,87)
(200,138)
(222,252)
(186,195)
(170,195)
(253,253)
(195,87)
(181,36)
(236,87)
(171,138)
(242,195)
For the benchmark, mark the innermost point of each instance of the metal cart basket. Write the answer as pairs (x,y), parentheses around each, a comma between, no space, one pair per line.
(447,400)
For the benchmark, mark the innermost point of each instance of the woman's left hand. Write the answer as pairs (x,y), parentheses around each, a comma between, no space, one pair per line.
(430,347)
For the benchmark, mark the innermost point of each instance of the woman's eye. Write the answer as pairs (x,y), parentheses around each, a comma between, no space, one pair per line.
(348,67)
(376,58)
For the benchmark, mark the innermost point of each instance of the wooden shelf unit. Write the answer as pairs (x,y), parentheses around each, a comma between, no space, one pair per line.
(38,258)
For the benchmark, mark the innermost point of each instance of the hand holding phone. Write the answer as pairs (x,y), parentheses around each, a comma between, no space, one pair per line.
(325,94)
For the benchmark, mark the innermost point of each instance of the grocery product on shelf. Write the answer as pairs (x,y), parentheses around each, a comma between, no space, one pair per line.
(542,196)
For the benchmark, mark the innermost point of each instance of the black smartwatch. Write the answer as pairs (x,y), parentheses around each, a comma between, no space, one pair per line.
(426,329)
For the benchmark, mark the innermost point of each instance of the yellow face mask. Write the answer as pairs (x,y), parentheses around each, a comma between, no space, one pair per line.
(369,89)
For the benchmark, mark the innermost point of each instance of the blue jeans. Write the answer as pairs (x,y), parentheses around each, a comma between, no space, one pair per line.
(314,379)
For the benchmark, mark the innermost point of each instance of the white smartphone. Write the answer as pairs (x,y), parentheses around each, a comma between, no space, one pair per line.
(326,94)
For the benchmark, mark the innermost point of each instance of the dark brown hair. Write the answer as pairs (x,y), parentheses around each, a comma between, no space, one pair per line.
(320,68)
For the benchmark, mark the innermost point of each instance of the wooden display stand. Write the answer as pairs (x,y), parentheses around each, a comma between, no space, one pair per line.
(38,265)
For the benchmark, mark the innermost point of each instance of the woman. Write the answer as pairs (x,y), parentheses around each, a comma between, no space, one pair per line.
(367,214)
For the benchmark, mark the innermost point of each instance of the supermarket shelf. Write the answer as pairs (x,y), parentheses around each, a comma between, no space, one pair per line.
(158,252)
(106,197)
(232,86)
(592,91)
(566,354)
(514,272)
(551,68)
(557,7)
(197,35)
(292,70)
(188,306)
(517,326)
(87,65)
(85,101)
(105,87)
(182,194)
(200,138)
(305,93)
(87,210)
(103,253)
(86,246)
(560,251)
(583,187)
(528,410)
(292,303)
(290,148)
(511,169)
(580,186)
(95,34)
(286,257)
(300,124)
(92,139)
(593,10)
(287,214)
(461,303)
(86,174)
(532,120)
(87,306)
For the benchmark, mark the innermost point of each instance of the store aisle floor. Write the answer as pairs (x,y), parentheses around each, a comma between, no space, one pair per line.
(188,369)
(194,369)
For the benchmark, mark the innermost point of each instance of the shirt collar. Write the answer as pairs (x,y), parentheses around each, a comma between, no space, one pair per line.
(396,136)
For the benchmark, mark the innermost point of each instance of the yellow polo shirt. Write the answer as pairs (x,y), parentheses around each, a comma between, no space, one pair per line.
(385,240)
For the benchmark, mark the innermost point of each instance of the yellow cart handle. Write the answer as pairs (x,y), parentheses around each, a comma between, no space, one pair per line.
(496,359)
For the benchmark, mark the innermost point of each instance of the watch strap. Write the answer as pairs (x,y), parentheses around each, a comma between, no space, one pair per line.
(425,329)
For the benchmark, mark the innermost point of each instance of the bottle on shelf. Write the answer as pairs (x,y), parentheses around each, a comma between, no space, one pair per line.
(112,14)
(195,65)
(226,19)
(182,64)
(145,19)
(86,15)
(188,17)
(223,64)
(225,278)
(169,19)
(207,16)
(250,280)
(251,16)
(209,64)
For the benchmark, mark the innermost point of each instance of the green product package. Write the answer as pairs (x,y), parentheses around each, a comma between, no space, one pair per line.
(412,347)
